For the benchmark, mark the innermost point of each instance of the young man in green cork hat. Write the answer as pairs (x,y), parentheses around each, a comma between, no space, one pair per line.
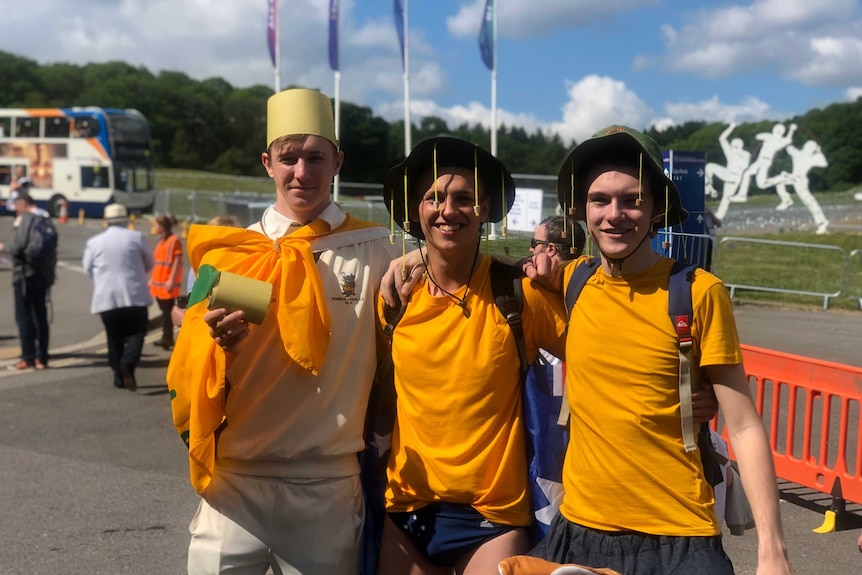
(636,499)
(457,496)
(274,413)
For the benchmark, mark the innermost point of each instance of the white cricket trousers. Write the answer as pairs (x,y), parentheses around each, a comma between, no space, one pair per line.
(297,527)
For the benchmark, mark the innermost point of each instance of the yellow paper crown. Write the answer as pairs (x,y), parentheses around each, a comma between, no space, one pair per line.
(299,111)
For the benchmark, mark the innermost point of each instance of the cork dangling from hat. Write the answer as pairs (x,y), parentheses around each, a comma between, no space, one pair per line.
(299,112)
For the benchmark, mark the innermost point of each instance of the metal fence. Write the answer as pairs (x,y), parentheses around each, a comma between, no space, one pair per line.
(783,267)
(693,248)
(853,278)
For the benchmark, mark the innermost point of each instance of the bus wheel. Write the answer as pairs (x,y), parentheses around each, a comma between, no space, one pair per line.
(54,205)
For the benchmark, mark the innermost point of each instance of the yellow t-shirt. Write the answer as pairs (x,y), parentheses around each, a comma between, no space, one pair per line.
(459,434)
(626,468)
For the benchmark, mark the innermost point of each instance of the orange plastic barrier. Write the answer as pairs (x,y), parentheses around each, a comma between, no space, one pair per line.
(812,411)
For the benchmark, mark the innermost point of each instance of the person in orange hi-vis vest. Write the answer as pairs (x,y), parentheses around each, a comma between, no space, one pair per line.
(167,276)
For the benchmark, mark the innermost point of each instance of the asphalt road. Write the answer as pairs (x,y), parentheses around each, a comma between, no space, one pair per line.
(94,480)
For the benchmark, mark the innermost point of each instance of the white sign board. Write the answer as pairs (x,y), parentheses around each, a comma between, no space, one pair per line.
(526,212)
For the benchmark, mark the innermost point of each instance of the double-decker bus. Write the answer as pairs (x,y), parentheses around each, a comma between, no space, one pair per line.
(87,157)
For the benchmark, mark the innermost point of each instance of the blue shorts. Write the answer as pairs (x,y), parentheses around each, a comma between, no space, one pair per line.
(633,553)
(445,532)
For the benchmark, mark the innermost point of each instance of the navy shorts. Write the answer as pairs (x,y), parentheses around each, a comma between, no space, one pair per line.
(445,532)
(633,553)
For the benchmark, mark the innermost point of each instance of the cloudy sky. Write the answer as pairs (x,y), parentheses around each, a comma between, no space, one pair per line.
(571,66)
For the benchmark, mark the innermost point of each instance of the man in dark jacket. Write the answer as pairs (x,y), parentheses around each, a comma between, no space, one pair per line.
(30,283)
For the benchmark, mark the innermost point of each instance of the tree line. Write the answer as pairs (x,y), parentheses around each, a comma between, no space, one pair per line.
(211,125)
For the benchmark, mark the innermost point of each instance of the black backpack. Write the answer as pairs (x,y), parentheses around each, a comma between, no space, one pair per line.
(40,253)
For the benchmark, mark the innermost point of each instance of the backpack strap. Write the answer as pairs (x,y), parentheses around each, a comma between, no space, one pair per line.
(679,308)
(577,282)
(509,297)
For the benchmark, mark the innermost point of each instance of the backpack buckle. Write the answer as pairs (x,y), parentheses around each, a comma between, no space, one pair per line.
(682,325)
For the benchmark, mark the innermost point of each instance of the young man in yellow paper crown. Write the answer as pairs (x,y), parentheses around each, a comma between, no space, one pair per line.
(273,414)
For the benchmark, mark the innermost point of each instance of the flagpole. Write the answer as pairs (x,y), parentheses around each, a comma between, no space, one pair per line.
(334,21)
(407,127)
(337,74)
(277,50)
(492,233)
(494,88)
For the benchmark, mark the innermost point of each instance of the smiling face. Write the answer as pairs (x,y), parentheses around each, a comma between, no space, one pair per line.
(303,169)
(454,225)
(619,226)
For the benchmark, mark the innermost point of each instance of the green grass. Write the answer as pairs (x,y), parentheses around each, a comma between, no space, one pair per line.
(210,182)
(794,267)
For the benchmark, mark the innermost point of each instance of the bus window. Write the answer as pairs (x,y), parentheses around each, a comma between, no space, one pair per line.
(143,179)
(94,177)
(26,127)
(86,128)
(122,181)
(56,127)
(5,127)
(5,175)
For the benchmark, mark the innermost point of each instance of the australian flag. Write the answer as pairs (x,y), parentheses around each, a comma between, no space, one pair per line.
(546,439)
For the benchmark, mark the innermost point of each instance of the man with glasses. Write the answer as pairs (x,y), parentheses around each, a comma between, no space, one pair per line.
(548,238)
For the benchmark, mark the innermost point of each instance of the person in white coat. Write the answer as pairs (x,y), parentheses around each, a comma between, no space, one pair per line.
(119,261)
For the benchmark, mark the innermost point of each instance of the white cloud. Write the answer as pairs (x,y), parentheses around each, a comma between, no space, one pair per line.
(224,38)
(596,102)
(471,114)
(813,42)
(834,61)
(530,19)
(853,93)
(750,109)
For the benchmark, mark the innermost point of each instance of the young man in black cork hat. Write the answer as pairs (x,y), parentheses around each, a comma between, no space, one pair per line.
(457,497)
(636,500)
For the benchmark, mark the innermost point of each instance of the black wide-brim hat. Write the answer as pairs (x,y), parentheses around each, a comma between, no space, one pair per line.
(619,144)
(451,153)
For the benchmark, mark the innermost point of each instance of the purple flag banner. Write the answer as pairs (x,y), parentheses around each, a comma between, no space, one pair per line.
(399,27)
(486,35)
(271,26)
(333,35)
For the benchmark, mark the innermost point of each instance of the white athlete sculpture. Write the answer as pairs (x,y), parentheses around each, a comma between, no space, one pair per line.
(771,143)
(738,173)
(737,161)
(810,156)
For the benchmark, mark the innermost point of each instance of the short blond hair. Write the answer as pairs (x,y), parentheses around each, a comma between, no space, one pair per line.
(230,221)
(297,139)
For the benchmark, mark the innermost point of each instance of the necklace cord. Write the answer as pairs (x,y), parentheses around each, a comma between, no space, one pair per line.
(460,301)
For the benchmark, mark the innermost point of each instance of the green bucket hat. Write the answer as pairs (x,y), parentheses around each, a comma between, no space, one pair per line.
(455,153)
(624,144)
